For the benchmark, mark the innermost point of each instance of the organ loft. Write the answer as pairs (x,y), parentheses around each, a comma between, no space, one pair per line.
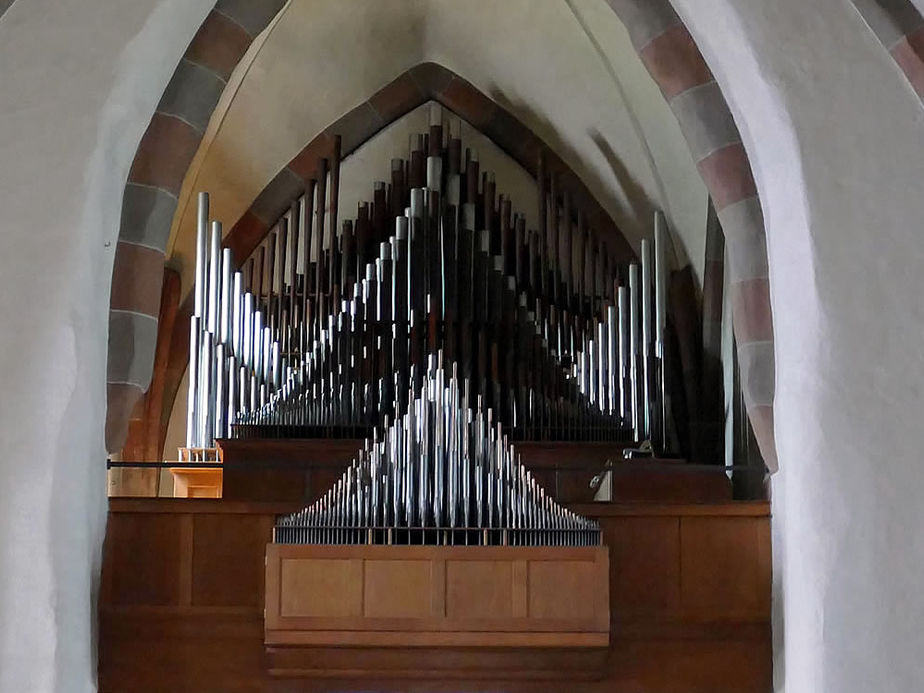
(440,419)
(460,346)
(451,392)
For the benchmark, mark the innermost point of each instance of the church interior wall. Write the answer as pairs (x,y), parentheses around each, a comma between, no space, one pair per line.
(842,210)
(78,85)
(830,124)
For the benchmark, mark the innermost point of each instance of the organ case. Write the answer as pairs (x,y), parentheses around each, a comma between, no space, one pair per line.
(441,331)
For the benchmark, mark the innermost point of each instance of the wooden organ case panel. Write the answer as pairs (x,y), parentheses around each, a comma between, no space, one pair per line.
(409,596)
(182,599)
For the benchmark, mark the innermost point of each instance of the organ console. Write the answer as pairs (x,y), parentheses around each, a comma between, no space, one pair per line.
(441,329)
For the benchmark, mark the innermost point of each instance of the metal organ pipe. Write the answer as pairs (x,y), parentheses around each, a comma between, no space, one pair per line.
(661,280)
(646,339)
(214,273)
(192,397)
(427,336)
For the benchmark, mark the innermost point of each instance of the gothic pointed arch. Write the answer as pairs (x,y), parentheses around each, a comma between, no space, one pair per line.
(149,199)
(665,47)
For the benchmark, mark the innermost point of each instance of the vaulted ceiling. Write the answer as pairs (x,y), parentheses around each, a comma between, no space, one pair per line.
(567,70)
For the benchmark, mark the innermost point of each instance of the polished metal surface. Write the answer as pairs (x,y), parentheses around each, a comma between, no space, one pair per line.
(325,331)
(411,484)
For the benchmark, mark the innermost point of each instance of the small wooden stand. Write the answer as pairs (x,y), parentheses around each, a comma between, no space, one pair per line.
(198,482)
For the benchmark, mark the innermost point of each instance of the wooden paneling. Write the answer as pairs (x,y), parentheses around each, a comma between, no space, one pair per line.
(397,595)
(285,469)
(479,589)
(399,589)
(225,543)
(725,568)
(645,579)
(145,556)
(690,595)
(320,588)
(564,590)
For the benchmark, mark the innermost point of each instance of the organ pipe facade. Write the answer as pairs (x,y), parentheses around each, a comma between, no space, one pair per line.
(442,330)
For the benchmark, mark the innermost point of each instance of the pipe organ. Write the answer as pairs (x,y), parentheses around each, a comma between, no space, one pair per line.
(439,327)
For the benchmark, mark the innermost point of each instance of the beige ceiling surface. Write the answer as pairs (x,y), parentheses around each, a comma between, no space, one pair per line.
(567,70)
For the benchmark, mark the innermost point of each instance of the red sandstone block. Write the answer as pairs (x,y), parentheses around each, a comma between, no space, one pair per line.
(753,320)
(909,54)
(467,102)
(727,174)
(164,154)
(305,163)
(137,276)
(120,401)
(397,98)
(219,45)
(432,78)
(762,423)
(355,127)
(675,62)
(245,235)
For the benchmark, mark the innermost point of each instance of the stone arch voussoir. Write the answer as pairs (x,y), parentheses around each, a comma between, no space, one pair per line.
(672,58)
(150,197)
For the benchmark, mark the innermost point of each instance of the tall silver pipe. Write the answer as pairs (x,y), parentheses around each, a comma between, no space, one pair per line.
(276,364)
(237,308)
(202,230)
(220,394)
(603,363)
(661,279)
(257,335)
(247,324)
(646,339)
(214,287)
(234,381)
(622,299)
(206,402)
(614,366)
(590,363)
(225,307)
(634,283)
(192,397)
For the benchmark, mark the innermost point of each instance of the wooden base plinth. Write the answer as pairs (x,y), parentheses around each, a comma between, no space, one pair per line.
(437,611)
(437,663)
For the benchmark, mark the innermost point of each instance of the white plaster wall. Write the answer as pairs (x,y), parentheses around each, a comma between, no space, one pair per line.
(680,191)
(834,134)
(78,84)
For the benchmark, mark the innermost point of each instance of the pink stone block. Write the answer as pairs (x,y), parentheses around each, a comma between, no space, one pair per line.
(727,174)
(675,62)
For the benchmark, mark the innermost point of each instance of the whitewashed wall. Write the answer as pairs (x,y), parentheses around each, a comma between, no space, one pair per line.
(78,83)
(836,138)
